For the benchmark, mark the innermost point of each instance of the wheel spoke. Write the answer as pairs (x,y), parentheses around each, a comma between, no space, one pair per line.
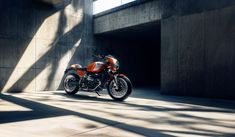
(70,83)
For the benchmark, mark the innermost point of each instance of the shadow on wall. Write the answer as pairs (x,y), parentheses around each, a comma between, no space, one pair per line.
(40,40)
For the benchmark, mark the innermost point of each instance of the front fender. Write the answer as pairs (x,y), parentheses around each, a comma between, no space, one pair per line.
(124,76)
(121,75)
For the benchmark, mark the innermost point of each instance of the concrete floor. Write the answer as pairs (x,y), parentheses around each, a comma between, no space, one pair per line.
(145,113)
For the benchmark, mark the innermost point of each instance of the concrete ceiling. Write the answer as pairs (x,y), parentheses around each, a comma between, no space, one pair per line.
(54,2)
(143,31)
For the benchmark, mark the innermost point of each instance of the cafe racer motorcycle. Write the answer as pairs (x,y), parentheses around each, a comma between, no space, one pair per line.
(97,76)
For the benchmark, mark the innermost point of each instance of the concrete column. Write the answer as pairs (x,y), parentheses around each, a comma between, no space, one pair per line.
(198,54)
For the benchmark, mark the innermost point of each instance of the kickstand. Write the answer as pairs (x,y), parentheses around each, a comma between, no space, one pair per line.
(97,93)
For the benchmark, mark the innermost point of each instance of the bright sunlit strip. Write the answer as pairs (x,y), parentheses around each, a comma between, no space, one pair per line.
(103,5)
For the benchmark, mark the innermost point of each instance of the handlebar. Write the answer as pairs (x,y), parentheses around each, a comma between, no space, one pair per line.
(98,56)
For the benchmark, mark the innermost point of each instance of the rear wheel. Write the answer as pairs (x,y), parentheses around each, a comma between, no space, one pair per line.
(71,84)
(121,90)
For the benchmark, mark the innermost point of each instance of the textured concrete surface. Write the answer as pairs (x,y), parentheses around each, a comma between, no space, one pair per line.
(38,41)
(198,54)
(152,11)
(197,44)
(132,16)
(145,113)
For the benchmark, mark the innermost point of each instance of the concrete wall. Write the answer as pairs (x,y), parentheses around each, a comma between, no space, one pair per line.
(198,54)
(38,41)
(197,43)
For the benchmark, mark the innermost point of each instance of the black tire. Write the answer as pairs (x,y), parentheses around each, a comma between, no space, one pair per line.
(71,76)
(128,92)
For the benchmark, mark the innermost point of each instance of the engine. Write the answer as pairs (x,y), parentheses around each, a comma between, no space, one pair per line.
(91,82)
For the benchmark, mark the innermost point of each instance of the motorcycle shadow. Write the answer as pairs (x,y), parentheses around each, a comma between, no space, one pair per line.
(84,96)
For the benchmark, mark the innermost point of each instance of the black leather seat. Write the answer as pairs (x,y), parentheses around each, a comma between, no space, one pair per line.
(82,69)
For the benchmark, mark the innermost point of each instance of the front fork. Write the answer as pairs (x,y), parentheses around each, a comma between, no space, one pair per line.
(114,76)
(115,81)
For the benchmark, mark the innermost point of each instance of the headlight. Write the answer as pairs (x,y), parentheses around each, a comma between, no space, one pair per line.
(116,65)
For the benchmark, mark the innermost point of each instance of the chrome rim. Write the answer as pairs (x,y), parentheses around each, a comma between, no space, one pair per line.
(120,90)
(70,83)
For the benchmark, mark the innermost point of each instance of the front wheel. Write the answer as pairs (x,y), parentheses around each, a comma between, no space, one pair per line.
(120,89)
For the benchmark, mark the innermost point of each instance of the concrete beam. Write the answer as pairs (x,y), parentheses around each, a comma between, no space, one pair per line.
(56,3)
(52,1)
(132,16)
(138,13)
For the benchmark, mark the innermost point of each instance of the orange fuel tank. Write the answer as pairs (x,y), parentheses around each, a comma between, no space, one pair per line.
(96,67)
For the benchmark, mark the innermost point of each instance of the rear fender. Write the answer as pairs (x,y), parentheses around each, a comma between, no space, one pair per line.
(73,67)
(69,69)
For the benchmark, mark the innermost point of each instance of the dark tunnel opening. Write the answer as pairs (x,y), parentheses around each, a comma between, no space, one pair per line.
(138,50)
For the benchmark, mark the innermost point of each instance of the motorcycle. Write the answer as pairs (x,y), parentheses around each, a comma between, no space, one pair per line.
(96,77)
